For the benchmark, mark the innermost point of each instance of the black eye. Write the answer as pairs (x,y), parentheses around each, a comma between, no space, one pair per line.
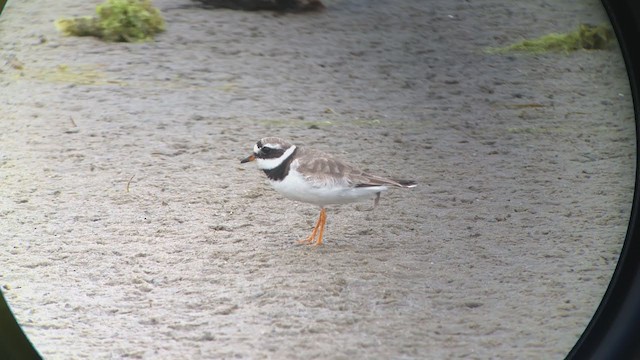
(266,150)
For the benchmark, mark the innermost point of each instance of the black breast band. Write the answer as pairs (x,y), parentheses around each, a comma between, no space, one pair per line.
(279,172)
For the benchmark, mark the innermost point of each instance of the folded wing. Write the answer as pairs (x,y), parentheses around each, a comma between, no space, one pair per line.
(324,170)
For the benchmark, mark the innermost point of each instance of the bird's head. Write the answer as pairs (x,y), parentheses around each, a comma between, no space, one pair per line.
(270,152)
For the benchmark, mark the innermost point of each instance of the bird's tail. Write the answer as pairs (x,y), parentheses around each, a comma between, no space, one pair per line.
(406,183)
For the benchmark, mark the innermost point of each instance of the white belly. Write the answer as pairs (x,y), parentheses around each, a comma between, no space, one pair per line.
(295,187)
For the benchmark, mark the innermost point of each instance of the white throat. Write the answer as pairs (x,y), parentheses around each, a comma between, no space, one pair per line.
(268,164)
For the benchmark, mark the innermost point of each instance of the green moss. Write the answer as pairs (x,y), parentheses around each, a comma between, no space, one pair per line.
(129,20)
(82,26)
(585,37)
(117,20)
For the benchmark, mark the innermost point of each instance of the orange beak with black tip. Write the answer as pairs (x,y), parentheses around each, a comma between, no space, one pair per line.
(248,158)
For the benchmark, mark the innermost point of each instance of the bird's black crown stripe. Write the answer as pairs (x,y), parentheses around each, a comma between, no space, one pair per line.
(272,154)
(279,172)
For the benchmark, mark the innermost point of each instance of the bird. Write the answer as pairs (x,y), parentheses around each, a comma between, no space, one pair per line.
(311,176)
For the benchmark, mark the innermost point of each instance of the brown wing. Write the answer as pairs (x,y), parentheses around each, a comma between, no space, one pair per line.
(323,169)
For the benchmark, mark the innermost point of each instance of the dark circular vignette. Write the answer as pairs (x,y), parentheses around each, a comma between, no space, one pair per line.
(14,344)
(612,331)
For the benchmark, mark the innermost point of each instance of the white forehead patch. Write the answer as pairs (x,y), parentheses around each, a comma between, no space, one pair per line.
(272,146)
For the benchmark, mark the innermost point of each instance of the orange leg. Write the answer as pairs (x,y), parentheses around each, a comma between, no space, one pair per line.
(323,217)
(312,237)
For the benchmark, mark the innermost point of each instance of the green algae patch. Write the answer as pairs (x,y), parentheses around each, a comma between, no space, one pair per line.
(589,37)
(84,75)
(117,20)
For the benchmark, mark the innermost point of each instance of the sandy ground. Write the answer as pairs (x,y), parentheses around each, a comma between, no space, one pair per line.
(130,230)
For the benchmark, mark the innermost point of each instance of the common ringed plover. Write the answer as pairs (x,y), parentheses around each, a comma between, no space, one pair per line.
(317,178)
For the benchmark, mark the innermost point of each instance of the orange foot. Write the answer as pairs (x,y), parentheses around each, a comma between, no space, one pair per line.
(322,220)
